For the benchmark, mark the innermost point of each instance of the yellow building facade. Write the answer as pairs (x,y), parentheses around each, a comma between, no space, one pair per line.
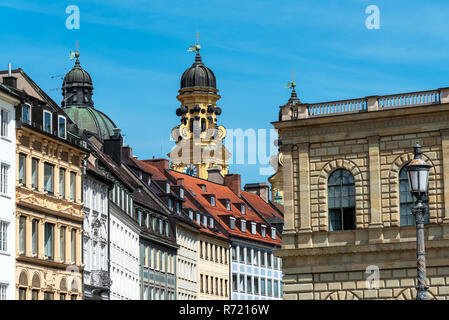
(49,213)
(213,268)
(349,232)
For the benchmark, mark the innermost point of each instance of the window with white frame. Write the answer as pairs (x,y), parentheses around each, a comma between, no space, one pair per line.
(263,230)
(5,123)
(232,222)
(181,193)
(243,225)
(4,171)
(253,227)
(212,201)
(167,187)
(26,113)
(211,222)
(273,233)
(62,121)
(47,121)
(48,177)
(242,208)
(228,204)
(3,235)
(191,214)
(3,288)
(205,220)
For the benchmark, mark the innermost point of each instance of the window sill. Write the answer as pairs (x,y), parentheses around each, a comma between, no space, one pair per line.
(5,196)
(5,253)
(6,139)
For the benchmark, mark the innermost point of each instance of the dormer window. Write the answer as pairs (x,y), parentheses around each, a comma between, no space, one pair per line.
(181,193)
(178,207)
(212,201)
(242,208)
(253,227)
(26,113)
(62,121)
(203,187)
(205,220)
(273,232)
(191,214)
(211,222)
(47,121)
(228,205)
(243,225)
(263,229)
(167,187)
(198,218)
(232,222)
(170,204)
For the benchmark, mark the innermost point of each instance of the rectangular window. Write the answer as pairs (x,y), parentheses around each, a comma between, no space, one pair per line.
(201,284)
(47,121)
(3,236)
(73,246)
(181,193)
(269,288)
(242,254)
(62,233)
(212,201)
(178,207)
(49,237)
(34,236)
(4,178)
(262,259)
(170,204)
(3,288)
(48,177)
(62,296)
(34,294)
(62,182)
(22,168)
(262,286)
(22,234)
(62,127)
(256,257)
(249,256)
(5,123)
(228,205)
(248,285)
(269,260)
(167,187)
(73,297)
(241,283)
(232,222)
(256,285)
(26,114)
(48,295)
(275,262)
(72,186)
(34,173)
(22,293)
(276,288)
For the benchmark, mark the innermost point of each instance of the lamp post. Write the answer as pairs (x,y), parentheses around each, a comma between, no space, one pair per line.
(418,178)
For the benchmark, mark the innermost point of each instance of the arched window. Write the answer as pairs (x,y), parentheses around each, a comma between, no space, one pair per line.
(341,200)
(407,201)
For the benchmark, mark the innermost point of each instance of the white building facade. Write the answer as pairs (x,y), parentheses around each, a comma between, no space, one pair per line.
(124,246)
(256,274)
(96,276)
(7,194)
(187,262)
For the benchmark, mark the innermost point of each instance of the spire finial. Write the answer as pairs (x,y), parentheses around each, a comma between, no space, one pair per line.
(75,54)
(292,85)
(195,47)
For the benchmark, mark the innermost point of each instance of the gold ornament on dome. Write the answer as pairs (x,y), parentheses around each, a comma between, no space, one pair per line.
(221,132)
(281,159)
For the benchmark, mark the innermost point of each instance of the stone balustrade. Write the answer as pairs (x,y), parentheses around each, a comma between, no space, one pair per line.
(366,104)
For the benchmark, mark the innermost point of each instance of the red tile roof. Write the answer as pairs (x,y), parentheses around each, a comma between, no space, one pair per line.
(192,185)
(262,207)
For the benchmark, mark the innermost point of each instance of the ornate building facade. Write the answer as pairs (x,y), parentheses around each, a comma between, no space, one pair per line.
(199,139)
(49,214)
(8,102)
(347,199)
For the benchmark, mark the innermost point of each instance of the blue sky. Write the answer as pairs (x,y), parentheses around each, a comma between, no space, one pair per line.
(136,52)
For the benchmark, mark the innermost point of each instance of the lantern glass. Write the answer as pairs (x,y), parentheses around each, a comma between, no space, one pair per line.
(413,179)
(423,180)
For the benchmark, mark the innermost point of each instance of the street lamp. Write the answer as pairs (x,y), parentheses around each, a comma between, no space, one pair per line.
(418,178)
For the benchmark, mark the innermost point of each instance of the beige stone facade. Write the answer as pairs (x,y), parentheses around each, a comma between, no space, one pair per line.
(373,139)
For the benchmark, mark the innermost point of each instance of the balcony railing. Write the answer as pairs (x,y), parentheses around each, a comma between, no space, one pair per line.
(367,104)
(100,278)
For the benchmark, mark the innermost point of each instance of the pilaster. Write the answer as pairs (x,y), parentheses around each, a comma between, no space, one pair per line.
(374,182)
(304,188)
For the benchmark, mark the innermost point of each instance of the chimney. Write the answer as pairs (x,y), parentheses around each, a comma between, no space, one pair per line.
(161,164)
(214,175)
(127,152)
(113,146)
(10,81)
(180,182)
(233,181)
(261,189)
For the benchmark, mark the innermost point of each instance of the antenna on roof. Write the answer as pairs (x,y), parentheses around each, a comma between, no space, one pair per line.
(195,47)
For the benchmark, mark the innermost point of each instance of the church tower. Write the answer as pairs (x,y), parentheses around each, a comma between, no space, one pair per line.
(199,139)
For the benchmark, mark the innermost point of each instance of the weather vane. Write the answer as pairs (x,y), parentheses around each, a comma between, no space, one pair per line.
(195,47)
(291,84)
(75,54)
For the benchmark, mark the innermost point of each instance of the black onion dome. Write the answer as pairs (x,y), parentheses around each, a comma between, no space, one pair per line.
(77,76)
(198,75)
